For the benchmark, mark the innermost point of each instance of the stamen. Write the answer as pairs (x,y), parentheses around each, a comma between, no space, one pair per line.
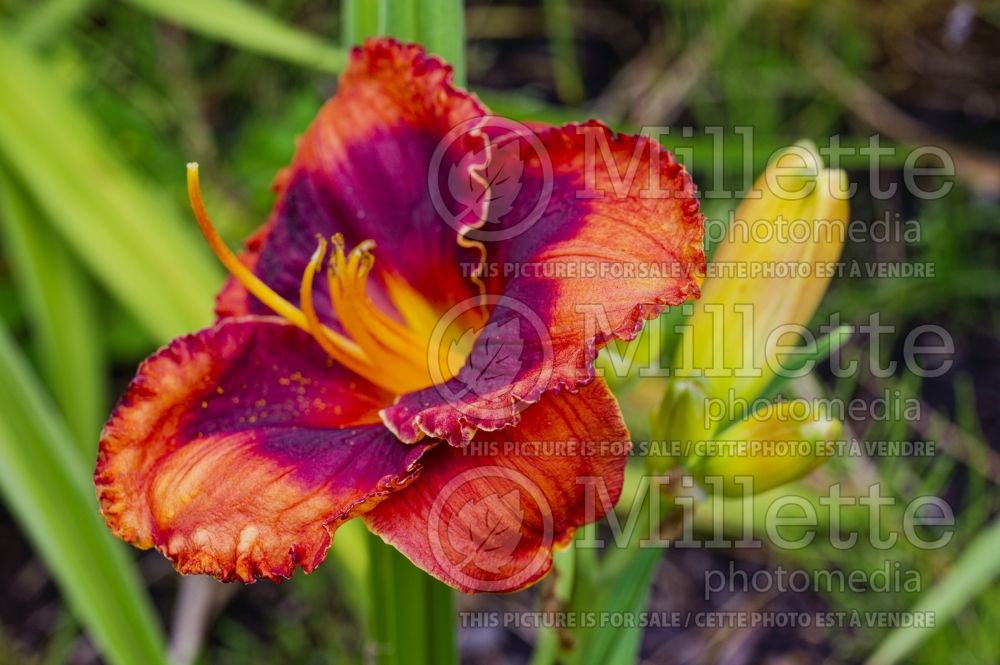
(346,352)
(385,328)
(365,323)
(323,334)
(378,347)
(253,284)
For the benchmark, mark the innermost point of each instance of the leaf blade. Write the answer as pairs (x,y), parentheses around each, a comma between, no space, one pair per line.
(60,308)
(244,26)
(44,482)
(971,576)
(152,264)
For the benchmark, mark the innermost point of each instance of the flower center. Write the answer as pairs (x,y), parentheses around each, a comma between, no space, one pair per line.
(376,346)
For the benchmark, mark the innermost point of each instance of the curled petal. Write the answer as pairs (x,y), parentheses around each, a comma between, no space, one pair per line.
(486,517)
(617,237)
(236,451)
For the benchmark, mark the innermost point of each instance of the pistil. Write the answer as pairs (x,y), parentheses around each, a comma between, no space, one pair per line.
(377,347)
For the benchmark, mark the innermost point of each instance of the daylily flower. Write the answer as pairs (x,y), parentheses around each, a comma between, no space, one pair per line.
(408,384)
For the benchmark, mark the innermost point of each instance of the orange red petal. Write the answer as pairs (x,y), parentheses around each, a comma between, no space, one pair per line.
(487,517)
(361,169)
(236,451)
(619,238)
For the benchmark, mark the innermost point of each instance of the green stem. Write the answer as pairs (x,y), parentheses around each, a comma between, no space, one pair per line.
(565,70)
(620,583)
(559,588)
(412,614)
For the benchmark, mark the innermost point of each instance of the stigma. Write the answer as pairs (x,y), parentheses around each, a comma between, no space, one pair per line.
(373,344)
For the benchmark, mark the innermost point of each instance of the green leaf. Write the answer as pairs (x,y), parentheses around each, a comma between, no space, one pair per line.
(623,588)
(441,28)
(439,25)
(359,21)
(969,577)
(630,596)
(442,621)
(127,234)
(44,481)
(244,26)
(399,19)
(618,583)
(45,20)
(825,345)
(56,294)
(352,566)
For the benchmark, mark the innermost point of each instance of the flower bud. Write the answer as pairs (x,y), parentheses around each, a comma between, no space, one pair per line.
(767,276)
(775,445)
(679,422)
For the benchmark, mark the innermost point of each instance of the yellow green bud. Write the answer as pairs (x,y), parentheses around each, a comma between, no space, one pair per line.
(774,445)
(767,275)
